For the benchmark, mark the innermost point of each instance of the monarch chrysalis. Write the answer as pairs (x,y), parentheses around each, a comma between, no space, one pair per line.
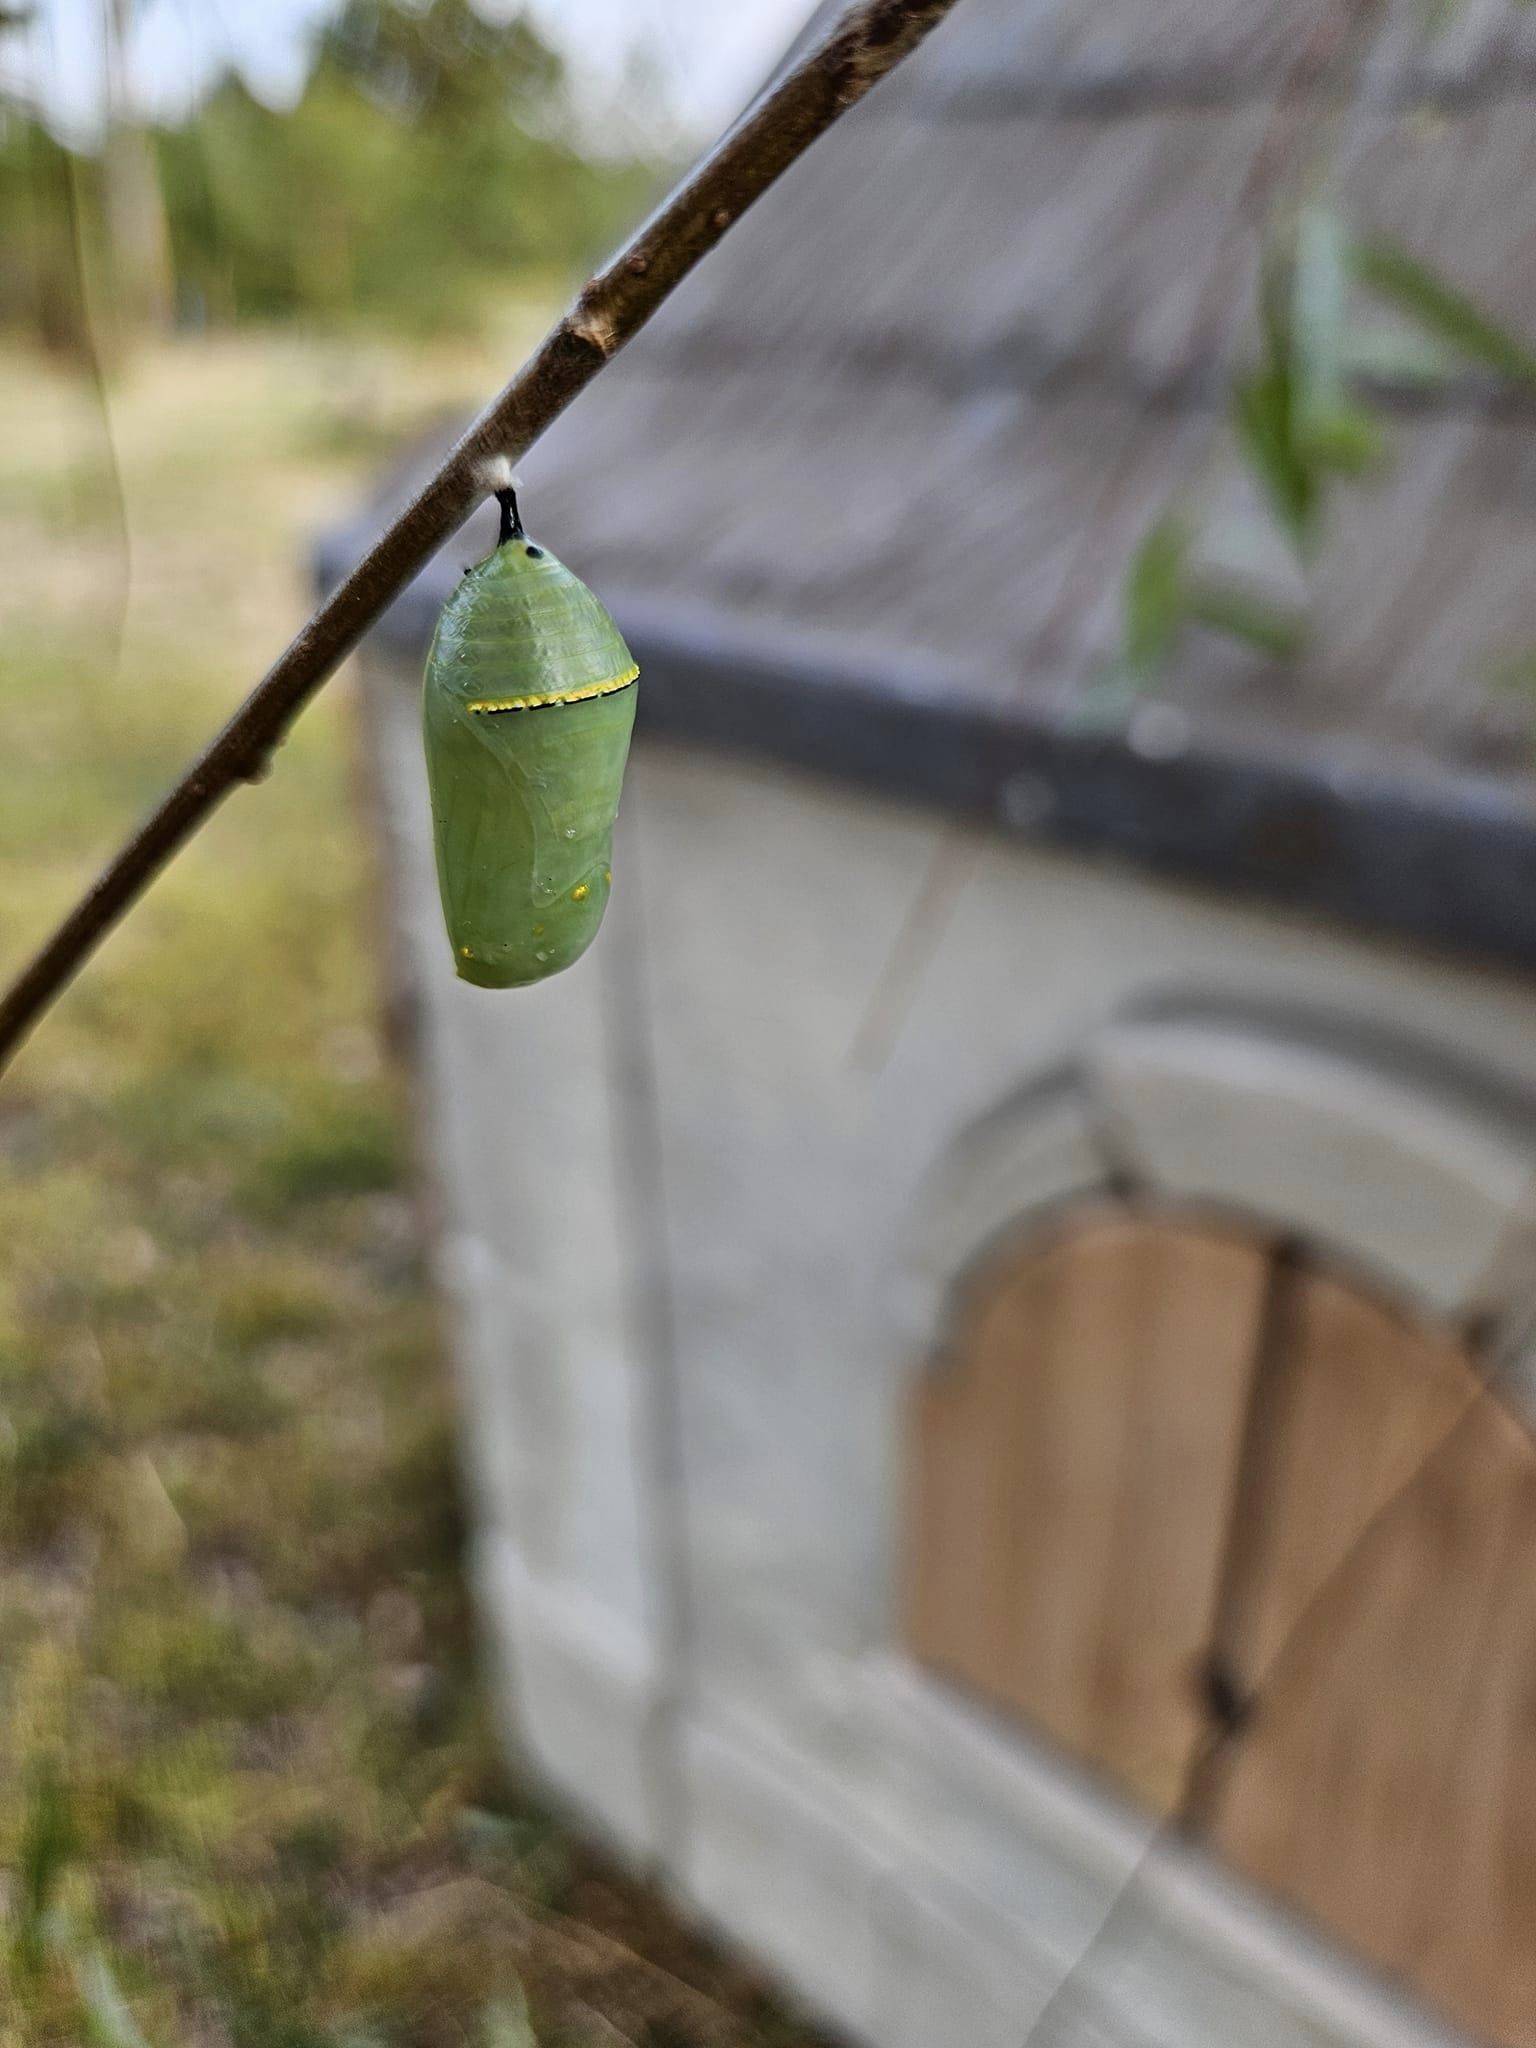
(530,697)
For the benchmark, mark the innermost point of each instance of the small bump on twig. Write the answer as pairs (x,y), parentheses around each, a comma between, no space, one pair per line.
(497,474)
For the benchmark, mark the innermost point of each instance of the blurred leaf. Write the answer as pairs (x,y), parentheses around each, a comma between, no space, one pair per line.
(506,2024)
(1347,441)
(1295,419)
(1515,673)
(1277,310)
(48,1843)
(1398,356)
(1262,417)
(1330,427)
(1441,309)
(1267,415)
(1160,597)
(1152,595)
(109,2023)
(1229,607)
(1319,300)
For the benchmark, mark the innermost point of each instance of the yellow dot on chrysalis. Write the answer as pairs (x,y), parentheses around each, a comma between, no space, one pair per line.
(607,874)
(466,953)
(538,931)
(580,892)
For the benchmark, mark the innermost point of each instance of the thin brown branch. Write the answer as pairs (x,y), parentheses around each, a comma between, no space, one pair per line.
(868,42)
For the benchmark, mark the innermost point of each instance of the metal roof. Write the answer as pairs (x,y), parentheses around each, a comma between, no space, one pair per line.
(864,493)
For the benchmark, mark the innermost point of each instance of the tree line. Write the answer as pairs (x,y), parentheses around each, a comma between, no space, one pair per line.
(431,157)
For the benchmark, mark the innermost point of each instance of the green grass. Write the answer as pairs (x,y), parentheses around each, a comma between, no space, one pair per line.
(248,1794)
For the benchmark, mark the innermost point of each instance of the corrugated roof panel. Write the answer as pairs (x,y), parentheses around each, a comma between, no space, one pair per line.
(915,416)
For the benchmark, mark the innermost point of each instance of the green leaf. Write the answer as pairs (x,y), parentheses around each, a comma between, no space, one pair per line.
(1320,304)
(1277,311)
(1152,595)
(48,1843)
(1262,418)
(1442,309)
(1329,430)
(1229,607)
(1348,440)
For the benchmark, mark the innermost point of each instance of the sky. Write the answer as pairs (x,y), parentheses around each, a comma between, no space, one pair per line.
(711,52)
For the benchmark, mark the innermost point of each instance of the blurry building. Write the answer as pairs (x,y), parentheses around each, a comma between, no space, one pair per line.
(974,1295)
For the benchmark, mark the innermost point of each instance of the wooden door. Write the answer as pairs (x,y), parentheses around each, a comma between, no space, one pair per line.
(1163,1450)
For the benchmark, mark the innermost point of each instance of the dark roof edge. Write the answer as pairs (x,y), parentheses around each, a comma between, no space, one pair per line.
(1446,859)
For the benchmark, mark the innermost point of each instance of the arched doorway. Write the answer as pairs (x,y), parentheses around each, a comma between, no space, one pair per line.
(1177,1473)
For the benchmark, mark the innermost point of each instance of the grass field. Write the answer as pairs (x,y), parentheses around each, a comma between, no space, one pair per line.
(248,1795)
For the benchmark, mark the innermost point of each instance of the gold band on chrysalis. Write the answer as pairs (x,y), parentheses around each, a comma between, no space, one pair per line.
(579,696)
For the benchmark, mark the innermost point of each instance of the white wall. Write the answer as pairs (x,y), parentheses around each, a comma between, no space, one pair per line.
(692,1192)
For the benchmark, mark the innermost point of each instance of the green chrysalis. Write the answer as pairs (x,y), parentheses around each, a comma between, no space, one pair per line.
(530,698)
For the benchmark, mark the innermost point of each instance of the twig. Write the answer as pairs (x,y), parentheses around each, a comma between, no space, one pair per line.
(868,42)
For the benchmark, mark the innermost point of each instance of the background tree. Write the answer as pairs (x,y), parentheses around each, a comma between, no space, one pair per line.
(413,117)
